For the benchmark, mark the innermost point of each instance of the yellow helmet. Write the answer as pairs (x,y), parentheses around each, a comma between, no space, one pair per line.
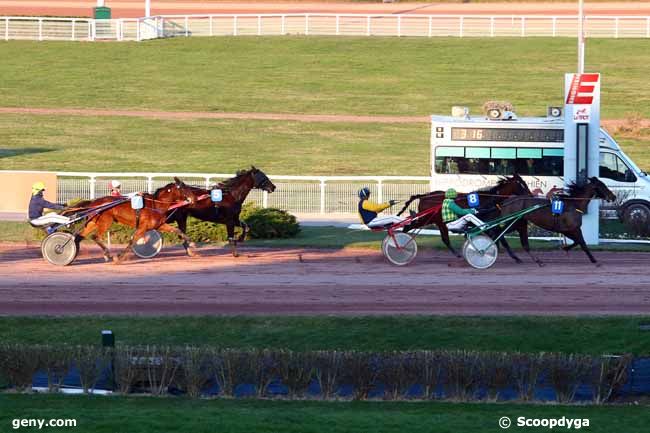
(37,187)
(451,193)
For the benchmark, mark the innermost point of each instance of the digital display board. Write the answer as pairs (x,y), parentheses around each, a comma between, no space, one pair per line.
(508,134)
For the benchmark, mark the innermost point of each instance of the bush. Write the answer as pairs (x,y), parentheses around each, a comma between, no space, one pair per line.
(272,223)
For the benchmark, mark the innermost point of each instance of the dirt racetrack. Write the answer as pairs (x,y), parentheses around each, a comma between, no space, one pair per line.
(309,281)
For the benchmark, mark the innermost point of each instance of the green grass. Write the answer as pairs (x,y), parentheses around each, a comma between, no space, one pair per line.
(406,76)
(136,415)
(335,237)
(65,143)
(396,76)
(589,335)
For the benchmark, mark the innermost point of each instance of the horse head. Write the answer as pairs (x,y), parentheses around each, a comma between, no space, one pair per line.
(600,189)
(261,180)
(514,185)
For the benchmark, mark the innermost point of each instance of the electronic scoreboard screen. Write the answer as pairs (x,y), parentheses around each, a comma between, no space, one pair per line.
(508,134)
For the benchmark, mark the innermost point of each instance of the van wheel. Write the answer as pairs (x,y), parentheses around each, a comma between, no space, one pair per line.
(636,215)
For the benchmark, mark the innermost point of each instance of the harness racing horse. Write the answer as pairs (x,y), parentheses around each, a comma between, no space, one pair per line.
(235,191)
(568,223)
(489,198)
(153,216)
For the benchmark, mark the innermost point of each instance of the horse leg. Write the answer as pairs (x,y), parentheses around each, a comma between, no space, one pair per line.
(187,242)
(139,232)
(245,230)
(576,237)
(230,227)
(190,247)
(523,238)
(511,253)
(91,227)
(444,235)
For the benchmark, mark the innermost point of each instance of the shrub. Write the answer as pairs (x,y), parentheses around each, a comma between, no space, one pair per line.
(272,223)
(18,364)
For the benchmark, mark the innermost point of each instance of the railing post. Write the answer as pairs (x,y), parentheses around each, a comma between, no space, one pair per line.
(306,24)
(430,26)
(322,196)
(283,25)
(259,25)
(73,25)
(338,25)
(137,30)
(368,25)
(460,31)
(187,26)
(40,29)
(616,27)
(6,28)
(207,182)
(94,30)
(491,27)
(234,25)
(399,26)
(92,181)
(523,26)
(265,199)
(211,26)
(380,191)
(554,26)
(149,184)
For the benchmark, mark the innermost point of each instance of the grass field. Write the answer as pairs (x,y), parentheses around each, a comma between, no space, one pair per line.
(136,415)
(396,76)
(407,76)
(589,335)
(334,237)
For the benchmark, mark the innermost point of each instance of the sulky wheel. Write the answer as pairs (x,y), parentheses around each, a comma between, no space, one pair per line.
(60,248)
(480,251)
(400,249)
(149,245)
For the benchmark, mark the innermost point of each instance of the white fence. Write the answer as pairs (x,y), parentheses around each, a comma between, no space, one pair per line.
(79,29)
(124,29)
(298,194)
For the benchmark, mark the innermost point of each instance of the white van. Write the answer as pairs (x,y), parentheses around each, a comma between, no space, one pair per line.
(470,153)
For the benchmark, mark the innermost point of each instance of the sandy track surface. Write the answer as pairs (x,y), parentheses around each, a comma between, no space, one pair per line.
(299,281)
(135,8)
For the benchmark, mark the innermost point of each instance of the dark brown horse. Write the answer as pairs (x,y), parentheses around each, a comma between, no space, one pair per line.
(226,211)
(489,198)
(153,216)
(568,223)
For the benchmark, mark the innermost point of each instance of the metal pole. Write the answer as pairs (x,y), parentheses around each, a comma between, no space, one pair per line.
(581,38)
(147,8)
(322,196)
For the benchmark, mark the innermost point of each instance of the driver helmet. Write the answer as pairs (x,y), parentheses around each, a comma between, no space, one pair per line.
(451,193)
(115,184)
(38,187)
(364,193)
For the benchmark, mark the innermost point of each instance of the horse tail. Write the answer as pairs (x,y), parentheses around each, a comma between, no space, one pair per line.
(410,200)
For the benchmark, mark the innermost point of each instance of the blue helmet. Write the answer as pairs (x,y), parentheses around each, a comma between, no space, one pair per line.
(364,193)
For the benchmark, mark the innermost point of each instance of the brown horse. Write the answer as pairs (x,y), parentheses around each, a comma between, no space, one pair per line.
(570,221)
(226,211)
(153,216)
(489,198)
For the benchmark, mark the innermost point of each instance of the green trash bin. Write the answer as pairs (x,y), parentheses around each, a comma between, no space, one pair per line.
(102,13)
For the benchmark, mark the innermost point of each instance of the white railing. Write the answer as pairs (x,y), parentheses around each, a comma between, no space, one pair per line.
(299,194)
(80,29)
(137,29)
(404,25)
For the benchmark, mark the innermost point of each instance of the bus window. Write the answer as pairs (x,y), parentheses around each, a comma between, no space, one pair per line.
(611,167)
